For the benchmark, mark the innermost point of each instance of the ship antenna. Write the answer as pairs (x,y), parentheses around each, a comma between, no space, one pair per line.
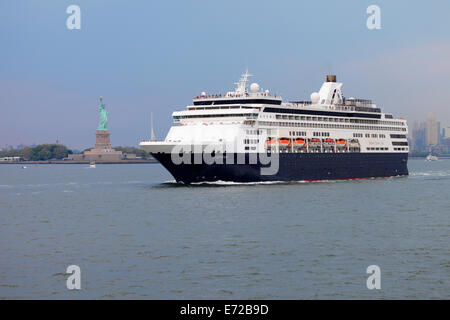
(242,84)
(152,133)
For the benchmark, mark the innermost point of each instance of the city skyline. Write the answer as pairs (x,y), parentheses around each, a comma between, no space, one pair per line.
(154,57)
(429,135)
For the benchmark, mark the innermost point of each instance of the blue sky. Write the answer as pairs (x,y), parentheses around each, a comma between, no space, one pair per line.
(154,56)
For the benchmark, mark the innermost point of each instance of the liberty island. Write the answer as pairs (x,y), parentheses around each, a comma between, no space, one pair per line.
(102,151)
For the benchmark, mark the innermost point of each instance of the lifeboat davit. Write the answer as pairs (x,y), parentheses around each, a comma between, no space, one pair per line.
(314,142)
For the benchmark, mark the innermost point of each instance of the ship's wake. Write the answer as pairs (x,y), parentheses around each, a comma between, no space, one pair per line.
(221,183)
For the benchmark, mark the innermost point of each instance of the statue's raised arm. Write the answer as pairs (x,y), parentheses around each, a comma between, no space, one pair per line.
(103,122)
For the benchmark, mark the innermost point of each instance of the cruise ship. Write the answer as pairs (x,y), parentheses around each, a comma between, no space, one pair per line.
(252,135)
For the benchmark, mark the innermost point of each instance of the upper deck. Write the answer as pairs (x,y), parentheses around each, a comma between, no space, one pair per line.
(246,98)
(328,104)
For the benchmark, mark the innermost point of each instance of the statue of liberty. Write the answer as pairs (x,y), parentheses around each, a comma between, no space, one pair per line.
(103,123)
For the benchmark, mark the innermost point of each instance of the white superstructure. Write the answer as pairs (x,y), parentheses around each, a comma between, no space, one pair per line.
(249,119)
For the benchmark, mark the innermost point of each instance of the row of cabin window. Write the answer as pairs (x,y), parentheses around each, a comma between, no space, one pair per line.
(378,148)
(399,143)
(256,132)
(251,141)
(321,134)
(228,115)
(389,123)
(398,136)
(297,133)
(368,135)
(222,107)
(400,149)
(331,126)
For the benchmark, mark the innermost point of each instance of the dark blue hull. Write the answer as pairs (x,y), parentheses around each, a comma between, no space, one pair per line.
(294,167)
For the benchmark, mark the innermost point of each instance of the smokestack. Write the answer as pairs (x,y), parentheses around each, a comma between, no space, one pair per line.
(330,78)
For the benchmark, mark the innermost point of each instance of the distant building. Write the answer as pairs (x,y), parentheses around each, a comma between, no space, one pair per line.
(10,159)
(418,136)
(446,132)
(439,135)
(431,130)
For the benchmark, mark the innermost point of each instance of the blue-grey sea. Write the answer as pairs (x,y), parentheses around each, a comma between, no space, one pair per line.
(135,234)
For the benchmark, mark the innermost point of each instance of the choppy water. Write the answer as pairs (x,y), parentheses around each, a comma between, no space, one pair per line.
(136,235)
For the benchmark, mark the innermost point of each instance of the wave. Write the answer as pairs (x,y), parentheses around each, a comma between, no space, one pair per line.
(37,185)
(169,182)
(278,182)
(232,183)
(430,174)
(222,183)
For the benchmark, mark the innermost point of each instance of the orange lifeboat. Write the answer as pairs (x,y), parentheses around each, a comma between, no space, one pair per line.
(270,141)
(284,142)
(341,142)
(299,142)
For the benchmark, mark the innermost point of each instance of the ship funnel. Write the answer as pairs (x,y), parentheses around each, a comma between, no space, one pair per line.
(330,78)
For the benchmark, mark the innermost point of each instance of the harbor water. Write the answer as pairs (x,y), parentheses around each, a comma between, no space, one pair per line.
(135,234)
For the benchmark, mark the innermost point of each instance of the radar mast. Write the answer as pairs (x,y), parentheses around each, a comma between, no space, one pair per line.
(241,86)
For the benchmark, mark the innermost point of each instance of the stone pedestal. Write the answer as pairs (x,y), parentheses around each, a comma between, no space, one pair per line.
(102,150)
(102,140)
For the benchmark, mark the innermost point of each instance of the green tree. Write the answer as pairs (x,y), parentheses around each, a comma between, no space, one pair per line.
(44,154)
(40,152)
(35,153)
(59,151)
(26,153)
(10,153)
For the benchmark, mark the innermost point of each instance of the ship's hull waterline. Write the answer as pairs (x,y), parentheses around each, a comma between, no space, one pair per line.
(291,167)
